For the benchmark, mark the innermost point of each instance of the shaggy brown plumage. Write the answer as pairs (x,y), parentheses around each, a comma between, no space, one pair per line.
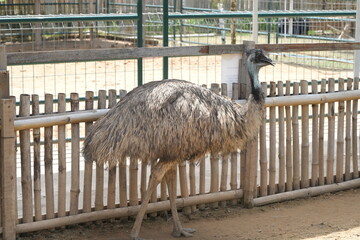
(171,121)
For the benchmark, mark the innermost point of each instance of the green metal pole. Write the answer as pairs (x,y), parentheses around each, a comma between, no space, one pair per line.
(166,37)
(140,40)
(269,24)
(181,22)
(174,25)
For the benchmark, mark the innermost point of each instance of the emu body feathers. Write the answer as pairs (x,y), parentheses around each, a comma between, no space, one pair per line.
(171,120)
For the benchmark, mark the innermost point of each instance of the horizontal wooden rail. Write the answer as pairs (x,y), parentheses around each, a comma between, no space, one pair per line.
(128,211)
(44,57)
(48,120)
(307,192)
(290,47)
(22,123)
(311,98)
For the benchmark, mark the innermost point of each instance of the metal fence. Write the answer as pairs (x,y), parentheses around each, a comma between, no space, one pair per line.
(123,31)
(24,7)
(182,28)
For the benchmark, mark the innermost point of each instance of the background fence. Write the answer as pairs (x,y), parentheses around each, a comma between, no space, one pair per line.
(8,7)
(118,68)
(178,28)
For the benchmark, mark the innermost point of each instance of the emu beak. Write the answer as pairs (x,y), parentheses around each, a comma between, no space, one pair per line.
(268,61)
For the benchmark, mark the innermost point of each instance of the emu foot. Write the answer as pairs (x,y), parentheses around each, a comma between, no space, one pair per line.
(139,238)
(184,232)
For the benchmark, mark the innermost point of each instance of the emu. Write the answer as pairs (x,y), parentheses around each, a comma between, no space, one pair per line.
(170,121)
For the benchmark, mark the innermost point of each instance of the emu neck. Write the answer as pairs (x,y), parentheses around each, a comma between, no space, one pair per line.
(256,90)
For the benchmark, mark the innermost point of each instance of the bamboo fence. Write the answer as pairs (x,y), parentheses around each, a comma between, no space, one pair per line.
(307,145)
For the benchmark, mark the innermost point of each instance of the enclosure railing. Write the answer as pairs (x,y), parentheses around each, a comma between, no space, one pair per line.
(307,142)
(327,120)
(71,6)
(164,28)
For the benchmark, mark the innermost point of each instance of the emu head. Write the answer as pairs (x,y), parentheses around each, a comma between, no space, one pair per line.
(256,59)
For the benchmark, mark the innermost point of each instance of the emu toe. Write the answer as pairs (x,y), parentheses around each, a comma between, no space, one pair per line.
(185,232)
(139,238)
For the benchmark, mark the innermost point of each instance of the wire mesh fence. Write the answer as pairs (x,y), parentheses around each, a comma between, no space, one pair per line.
(25,7)
(123,74)
(104,75)
(88,32)
(274,4)
(48,36)
(30,35)
(15,7)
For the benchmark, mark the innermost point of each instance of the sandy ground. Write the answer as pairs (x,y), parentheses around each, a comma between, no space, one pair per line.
(330,216)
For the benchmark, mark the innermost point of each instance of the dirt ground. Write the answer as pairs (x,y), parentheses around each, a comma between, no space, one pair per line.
(330,216)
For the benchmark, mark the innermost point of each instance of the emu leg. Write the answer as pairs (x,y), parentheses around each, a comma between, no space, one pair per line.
(156,176)
(178,229)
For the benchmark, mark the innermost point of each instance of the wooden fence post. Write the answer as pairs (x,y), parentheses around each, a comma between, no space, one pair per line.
(8,170)
(234,155)
(315,137)
(354,132)
(48,159)
(263,152)
(62,159)
(75,158)
(281,149)
(272,144)
(4,74)
(37,160)
(252,146)
(224,158)
(111,171)
(304,138)
(88,172)
(214,160)
(99,184)
(26,181)
(296,142)
(331,136)
(289,159)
